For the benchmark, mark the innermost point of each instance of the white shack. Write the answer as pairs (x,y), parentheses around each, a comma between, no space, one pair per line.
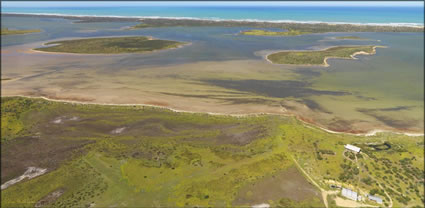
(375,198)
(352,148)
(349,194)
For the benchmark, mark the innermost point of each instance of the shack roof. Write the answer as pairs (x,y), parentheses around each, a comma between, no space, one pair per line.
(375,198)
(352,148)
(349,194)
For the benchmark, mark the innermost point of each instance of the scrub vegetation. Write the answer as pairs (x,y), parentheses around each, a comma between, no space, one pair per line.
(103,156)
(318,57)
(302,27)
(6,31)
(113,45)
(273,33)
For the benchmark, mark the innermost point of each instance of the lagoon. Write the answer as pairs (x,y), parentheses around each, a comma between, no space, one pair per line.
(211,73)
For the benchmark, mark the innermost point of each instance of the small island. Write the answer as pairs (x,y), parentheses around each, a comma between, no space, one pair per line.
(319,57)
(273,33)
(6,31)
(111,45)
(350,38)
(139,26)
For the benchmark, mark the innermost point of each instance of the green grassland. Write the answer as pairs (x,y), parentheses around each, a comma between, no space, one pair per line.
(350,38)
(164,158)
(273,33)
(316,57)
(6,31)
(113,45)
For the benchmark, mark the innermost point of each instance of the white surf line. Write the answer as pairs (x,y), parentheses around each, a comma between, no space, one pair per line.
(31,172)
(370,133)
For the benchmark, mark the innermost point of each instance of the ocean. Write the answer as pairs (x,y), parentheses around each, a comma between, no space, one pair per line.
(386,15)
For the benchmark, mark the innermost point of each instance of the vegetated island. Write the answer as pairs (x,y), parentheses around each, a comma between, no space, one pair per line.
(112,45)
(273,33)
(319,57)
(350,38)
(6,31)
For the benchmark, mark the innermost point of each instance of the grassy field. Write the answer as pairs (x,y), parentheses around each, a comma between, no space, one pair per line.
(273,33)
(110,45)
(141,156)
(6,31)
(317,57)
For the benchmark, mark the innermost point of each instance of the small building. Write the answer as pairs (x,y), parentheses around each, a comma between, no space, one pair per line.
(352,148)
(349,194)
(375,198)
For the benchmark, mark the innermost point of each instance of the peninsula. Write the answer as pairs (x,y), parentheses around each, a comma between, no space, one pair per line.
(273,33)
(6,31)
(318,57)
(350,38)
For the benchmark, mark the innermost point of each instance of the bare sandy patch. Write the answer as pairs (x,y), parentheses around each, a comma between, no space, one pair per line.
(118,130)
(31,172)
(349,203)
(264,205)
(49,198)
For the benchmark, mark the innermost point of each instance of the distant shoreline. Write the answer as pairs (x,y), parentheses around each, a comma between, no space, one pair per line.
(139,18)
(369,133)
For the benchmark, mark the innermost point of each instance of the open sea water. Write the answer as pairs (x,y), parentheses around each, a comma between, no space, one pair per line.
(387,15)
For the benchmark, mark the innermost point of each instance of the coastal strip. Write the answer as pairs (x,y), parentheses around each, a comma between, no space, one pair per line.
(310,125)
(304,26)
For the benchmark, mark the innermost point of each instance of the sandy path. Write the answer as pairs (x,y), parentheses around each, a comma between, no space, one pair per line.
(324,192)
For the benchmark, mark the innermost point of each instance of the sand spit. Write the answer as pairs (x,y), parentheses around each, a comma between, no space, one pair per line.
(31,172)
(370,133)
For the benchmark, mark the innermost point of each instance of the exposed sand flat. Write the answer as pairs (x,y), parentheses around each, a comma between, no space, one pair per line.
(31,172)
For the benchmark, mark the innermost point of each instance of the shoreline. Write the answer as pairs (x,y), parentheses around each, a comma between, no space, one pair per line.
(138,18)
(310,125)
(325,63)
